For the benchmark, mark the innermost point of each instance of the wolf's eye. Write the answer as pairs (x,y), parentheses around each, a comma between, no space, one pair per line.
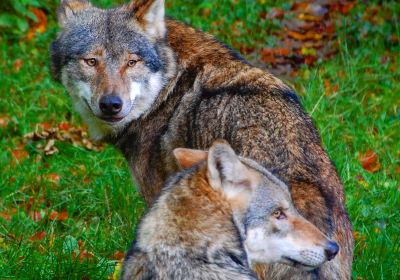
(278,214)
(91,62)
(131,63)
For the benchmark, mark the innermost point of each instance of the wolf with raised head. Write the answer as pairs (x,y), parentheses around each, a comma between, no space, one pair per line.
(149,84)
(217,217)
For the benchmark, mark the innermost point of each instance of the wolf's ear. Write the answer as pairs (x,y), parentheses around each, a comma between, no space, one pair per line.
(150,14)
(187,157)
(227,173)
(68,8)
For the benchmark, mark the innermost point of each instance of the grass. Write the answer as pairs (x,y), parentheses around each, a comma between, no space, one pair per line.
(95,188)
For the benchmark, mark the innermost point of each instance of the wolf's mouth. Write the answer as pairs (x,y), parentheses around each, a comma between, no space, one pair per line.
(111,119)
(103,118)
(299,264)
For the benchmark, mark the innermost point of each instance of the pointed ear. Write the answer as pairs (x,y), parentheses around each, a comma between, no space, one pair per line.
(150,14)
(187,157)
(68,8)
(226,172)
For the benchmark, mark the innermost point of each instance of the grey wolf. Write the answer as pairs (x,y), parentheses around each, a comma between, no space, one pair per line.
(149,84)
(217,217)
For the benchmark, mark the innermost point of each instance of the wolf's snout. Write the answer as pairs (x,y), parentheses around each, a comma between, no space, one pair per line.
(110,105)
(331,249)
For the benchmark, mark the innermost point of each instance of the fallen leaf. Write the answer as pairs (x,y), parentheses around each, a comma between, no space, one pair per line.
(36,216)
(308,17)
(38,236)
(17,65)
(358,236)
(63,216)
(329,89)
(44,126)
(19,155)
(64,132)
(53,177)
(64,126)
(299,6)
(369,161)
(310,35)
(53,215)
(316,10)
(49,148)
(309,59)
(87,180)
(39,26)
(275,13)
(5,216)
(29,203)
(118,255)
(4,121)
(85,255)
(384,59)
(205,12)
(345,7)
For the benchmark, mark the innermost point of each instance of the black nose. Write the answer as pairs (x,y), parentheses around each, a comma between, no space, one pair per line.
(331,249)
(110,105)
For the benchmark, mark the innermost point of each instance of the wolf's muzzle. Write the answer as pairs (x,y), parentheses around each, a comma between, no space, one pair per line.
(110,105)
(331,249)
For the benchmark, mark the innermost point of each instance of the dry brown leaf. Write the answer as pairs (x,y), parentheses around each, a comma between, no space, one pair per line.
(85,254)
(308,25)
(118,255)
(309,35)
(5,216)
(43,126)
(39,26)
(345,7)
(19,155)
(275,13)
(329,89)
(4,120)
(369,161)
(64,126)
(38,236)
(53,177)
(49,148)
(17,65)
(36,216)
(299,6)
(53,215)
(62,132)
(63,216)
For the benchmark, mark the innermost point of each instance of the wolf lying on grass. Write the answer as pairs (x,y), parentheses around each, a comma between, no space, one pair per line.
(213,220)
(149,85)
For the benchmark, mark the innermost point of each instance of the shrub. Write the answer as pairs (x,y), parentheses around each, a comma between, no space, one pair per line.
(15,15)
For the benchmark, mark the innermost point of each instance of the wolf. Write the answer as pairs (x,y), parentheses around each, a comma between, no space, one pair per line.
(218,216)
(149,84)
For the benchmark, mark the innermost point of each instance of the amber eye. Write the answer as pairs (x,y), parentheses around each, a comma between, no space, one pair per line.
(91,62)
(278,214)
(131,63)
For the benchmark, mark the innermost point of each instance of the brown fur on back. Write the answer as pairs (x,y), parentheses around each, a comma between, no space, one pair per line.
(216,94)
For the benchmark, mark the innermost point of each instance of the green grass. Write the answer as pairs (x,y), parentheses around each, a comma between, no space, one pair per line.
(95,188)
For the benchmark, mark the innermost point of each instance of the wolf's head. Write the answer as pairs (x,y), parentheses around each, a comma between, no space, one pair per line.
(271,228)
(112,62)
